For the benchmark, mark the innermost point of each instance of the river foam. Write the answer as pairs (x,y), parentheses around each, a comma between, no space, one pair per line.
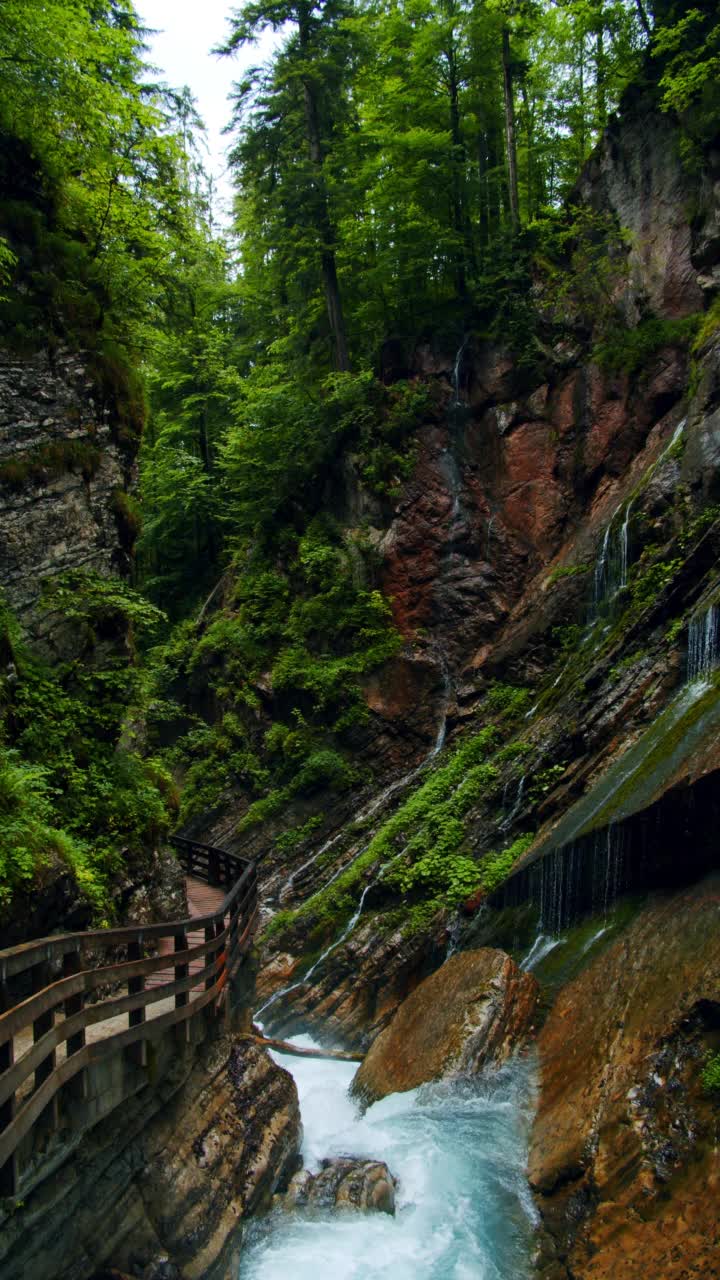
(459,1152)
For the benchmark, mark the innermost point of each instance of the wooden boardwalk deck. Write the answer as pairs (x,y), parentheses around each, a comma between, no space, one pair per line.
(202,900)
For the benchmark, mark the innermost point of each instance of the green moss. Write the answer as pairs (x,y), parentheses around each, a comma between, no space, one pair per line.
(49,461)
(567,571)
(708,327)
(128,515)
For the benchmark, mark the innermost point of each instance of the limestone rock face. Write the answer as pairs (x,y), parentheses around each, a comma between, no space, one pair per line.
(624,1156)
(162,1188)
(344,1183)
(471,1012)
(60,470)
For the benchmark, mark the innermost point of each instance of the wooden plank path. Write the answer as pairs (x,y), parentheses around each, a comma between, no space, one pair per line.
(71,1003)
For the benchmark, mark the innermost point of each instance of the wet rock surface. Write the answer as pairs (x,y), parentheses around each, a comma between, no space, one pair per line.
(471,1013)
(344,1182)
(623,1158)
(357,989)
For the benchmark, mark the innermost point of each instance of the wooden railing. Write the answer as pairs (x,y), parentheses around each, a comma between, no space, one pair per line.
(69,1001)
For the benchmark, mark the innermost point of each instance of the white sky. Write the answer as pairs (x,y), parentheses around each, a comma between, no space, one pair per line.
(186,32)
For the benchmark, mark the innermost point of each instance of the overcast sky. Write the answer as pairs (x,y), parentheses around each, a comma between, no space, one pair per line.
(186,32)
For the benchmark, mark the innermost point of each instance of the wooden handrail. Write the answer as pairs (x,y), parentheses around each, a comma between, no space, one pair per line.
(59,1010)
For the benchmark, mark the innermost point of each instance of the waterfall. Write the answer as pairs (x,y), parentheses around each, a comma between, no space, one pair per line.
(512,815)
(584,877)
(456,371)
(611,566)
(703,643)
(624,546)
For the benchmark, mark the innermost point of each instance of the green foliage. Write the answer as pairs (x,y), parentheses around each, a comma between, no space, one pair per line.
(89,598)
(507,700)
(710,1077)
(74,790)
(91,175)
(544,780)
(688,52)
(423,848)
(31,840)
(568,637)
(651,577)
(496,867)
(301,622)
(567,571)
(623,350)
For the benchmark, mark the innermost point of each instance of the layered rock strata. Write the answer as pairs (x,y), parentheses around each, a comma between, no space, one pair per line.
(170,1178)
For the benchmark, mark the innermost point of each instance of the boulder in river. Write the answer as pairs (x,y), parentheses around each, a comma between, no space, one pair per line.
(472,1011)
(344,1183)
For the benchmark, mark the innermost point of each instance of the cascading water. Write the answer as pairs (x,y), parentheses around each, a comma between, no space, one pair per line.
(584,876)
(703,644)
(611,566)
(458,1150)
(517,806)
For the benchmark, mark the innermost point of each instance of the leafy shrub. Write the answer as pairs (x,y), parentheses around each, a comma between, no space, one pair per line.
(711,1074)
(623,350)
(496,867)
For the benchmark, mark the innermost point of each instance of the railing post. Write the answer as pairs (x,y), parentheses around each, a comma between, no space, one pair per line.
(41,978)
(77,1086)
(8,1172)
(182,997)
(211,955)
(213,867)
(137,1052)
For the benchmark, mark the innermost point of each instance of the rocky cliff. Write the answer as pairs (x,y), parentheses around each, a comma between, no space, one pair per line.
(63,479)
(165,1184)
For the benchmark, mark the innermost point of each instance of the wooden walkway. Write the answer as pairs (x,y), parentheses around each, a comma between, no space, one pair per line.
(203,900)
(72,1005)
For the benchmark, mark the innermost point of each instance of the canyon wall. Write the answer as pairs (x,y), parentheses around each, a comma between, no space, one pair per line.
(63,476)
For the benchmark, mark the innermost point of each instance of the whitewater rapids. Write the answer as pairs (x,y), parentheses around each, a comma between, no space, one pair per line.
(459,1152)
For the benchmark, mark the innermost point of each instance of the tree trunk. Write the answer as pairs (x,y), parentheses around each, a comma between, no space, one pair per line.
(333,300)
(484,187)
(457,156)
(642,15)
(509,94)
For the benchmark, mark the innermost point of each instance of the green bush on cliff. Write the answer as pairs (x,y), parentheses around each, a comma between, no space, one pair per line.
(711,1075)
(496,867)
(422,848)
(625,350)
(31,840)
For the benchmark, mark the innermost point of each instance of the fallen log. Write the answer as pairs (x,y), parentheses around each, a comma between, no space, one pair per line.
(298,1051)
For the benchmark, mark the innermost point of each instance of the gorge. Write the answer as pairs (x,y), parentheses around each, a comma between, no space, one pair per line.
(359,649)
